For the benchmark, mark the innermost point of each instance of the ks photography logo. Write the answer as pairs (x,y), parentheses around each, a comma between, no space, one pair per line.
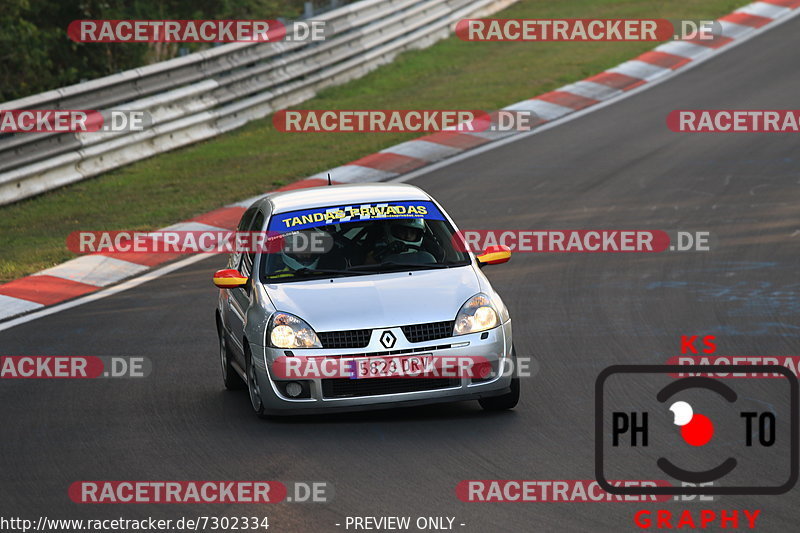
(741,435)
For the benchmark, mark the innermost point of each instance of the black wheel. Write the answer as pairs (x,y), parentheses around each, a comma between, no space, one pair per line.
(508,400)
(252,385)
(230,377)
(504,402)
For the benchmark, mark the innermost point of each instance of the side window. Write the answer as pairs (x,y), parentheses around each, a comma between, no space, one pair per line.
(247,219)
(247,259)
(244,223)
(246,266)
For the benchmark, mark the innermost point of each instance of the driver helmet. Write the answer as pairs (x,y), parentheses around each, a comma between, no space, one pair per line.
(298,252)
(408,231)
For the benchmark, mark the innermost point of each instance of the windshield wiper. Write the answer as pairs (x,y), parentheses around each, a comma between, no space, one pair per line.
(306,271)
(386,265)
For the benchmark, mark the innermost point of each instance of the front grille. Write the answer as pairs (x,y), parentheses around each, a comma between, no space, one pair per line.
(429,331)
(348,388)
(359,338)
(355,338)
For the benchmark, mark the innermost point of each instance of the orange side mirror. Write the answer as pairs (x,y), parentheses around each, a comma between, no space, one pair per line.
(229,278)
(494,255)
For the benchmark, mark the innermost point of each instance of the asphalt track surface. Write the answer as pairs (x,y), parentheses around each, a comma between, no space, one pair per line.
(619,168)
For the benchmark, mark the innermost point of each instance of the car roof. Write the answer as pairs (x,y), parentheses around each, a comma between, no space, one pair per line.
(359,193)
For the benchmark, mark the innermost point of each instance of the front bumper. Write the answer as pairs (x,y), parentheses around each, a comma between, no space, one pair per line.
(325,396)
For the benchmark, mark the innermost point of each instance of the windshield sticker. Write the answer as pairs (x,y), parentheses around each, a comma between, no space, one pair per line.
(321,216)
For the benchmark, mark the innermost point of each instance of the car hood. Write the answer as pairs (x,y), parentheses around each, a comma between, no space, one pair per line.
(377,300)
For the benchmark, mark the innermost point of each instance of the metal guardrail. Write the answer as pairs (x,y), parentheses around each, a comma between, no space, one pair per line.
(202,95)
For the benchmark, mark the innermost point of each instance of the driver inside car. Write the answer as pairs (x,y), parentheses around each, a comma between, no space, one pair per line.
(402,242)
(303,250)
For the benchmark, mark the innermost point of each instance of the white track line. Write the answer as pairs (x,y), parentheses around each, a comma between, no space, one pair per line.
(104,293)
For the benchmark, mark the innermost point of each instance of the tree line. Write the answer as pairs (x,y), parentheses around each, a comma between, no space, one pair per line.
(36,55)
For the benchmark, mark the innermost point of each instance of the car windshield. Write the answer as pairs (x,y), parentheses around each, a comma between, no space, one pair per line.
(360,239)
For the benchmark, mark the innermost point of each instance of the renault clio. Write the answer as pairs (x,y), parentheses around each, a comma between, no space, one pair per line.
(371,275)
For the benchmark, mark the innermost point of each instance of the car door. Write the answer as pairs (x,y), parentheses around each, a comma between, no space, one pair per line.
(233,317)
(240,297)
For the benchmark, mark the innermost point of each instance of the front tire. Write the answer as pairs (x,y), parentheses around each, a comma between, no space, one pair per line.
(230,377)
(252,385)
(506,401)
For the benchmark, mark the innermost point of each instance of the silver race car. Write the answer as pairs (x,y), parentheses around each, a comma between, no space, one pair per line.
(364,300)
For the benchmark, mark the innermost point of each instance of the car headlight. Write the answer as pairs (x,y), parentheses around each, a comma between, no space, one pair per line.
(477,314)
(289,331)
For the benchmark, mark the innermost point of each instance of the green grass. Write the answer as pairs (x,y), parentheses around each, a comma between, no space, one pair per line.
(256,158)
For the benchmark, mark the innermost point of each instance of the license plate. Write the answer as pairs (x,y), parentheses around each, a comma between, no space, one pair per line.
(391,367)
